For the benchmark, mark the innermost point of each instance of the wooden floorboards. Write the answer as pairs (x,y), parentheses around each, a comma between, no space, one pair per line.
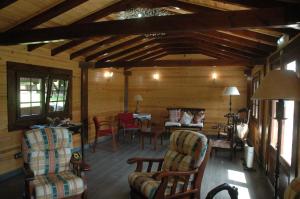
(108,177)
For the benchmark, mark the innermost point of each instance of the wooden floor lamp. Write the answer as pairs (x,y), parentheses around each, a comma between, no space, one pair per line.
(279,85)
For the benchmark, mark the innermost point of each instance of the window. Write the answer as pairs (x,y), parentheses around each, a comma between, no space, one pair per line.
(288,124)
(255,103)
(35,93)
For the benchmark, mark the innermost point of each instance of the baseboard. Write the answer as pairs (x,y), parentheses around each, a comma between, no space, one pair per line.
(10,174)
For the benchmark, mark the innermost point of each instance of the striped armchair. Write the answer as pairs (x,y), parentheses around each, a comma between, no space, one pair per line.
(50,169)
(178,174)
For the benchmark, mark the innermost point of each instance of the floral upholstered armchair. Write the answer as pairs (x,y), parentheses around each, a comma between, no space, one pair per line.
(178,174)
(51,171)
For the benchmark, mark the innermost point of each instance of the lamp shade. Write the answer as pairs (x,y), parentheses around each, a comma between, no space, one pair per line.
(231,90)
(279,84)
(138,98)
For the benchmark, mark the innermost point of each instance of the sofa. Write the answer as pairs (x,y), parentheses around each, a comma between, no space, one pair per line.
(185,118)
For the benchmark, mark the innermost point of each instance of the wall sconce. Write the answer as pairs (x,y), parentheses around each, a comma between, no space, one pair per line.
(214,75)
(108,74)
(156,76)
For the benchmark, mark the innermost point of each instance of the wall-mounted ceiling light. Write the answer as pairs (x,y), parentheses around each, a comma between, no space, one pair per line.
(140,15)
(105,54)
(108,74)
(177,8)
(156,76)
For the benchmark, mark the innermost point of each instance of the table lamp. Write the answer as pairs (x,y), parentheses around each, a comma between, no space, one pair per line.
(231,90)
(279,85)
(138,99)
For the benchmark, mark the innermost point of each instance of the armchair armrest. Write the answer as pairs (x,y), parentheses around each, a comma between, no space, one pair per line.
(140,161)
(166,174)
(29,175)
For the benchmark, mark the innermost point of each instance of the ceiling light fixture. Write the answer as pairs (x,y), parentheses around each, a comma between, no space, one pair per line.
(144,12)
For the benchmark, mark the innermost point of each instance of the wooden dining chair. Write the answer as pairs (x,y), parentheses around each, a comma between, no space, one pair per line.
(104,128)
(127,123)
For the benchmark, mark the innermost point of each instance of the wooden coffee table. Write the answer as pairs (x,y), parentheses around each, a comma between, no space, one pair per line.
(154,133)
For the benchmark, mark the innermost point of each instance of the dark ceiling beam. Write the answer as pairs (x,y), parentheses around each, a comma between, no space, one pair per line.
(157,56)
(94,46)
(209,51)
(240,41)
(150,54)
(66,46)
(259,37)
(254,3)
(113,48)
(129,50)
(199,51)
(5,3)
(140,53)
(215,47)
(121,5)
(269,17)
(216,41)
(183,63)
(47,15)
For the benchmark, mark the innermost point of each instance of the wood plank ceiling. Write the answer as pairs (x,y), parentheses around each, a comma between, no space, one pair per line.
(225,32)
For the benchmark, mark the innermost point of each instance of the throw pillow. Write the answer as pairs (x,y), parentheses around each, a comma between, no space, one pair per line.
(198,118)
(174,115)
(186,118)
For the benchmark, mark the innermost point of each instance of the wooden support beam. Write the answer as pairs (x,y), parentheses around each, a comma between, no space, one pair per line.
(157,56)
(269,17)
(199,51)
(47,15)
(5,3)
(150,54)
(183,63)
(121,5)
(140,53)
(84,101)
(213,47)
(67,46)
(113,48)
(128,50)
(239,40)
(256,36)
(94,46)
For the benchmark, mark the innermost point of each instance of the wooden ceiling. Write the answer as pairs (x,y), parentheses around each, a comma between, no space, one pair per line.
(227,32)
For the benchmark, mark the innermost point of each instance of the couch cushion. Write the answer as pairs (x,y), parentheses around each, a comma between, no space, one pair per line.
(59,185)
(172,124)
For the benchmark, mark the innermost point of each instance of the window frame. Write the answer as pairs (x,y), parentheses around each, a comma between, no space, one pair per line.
(14,72)
(255,79)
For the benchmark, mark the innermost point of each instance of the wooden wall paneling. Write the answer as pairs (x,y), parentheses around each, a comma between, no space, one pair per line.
(10,142)
(187,87)
(106,96)
(5,3)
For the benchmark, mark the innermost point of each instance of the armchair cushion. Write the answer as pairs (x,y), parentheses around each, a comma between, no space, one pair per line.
(63,184)
(186,152)
(47,150)
(146,184)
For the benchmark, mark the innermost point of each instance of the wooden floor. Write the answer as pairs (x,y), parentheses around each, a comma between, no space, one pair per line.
(108,177)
